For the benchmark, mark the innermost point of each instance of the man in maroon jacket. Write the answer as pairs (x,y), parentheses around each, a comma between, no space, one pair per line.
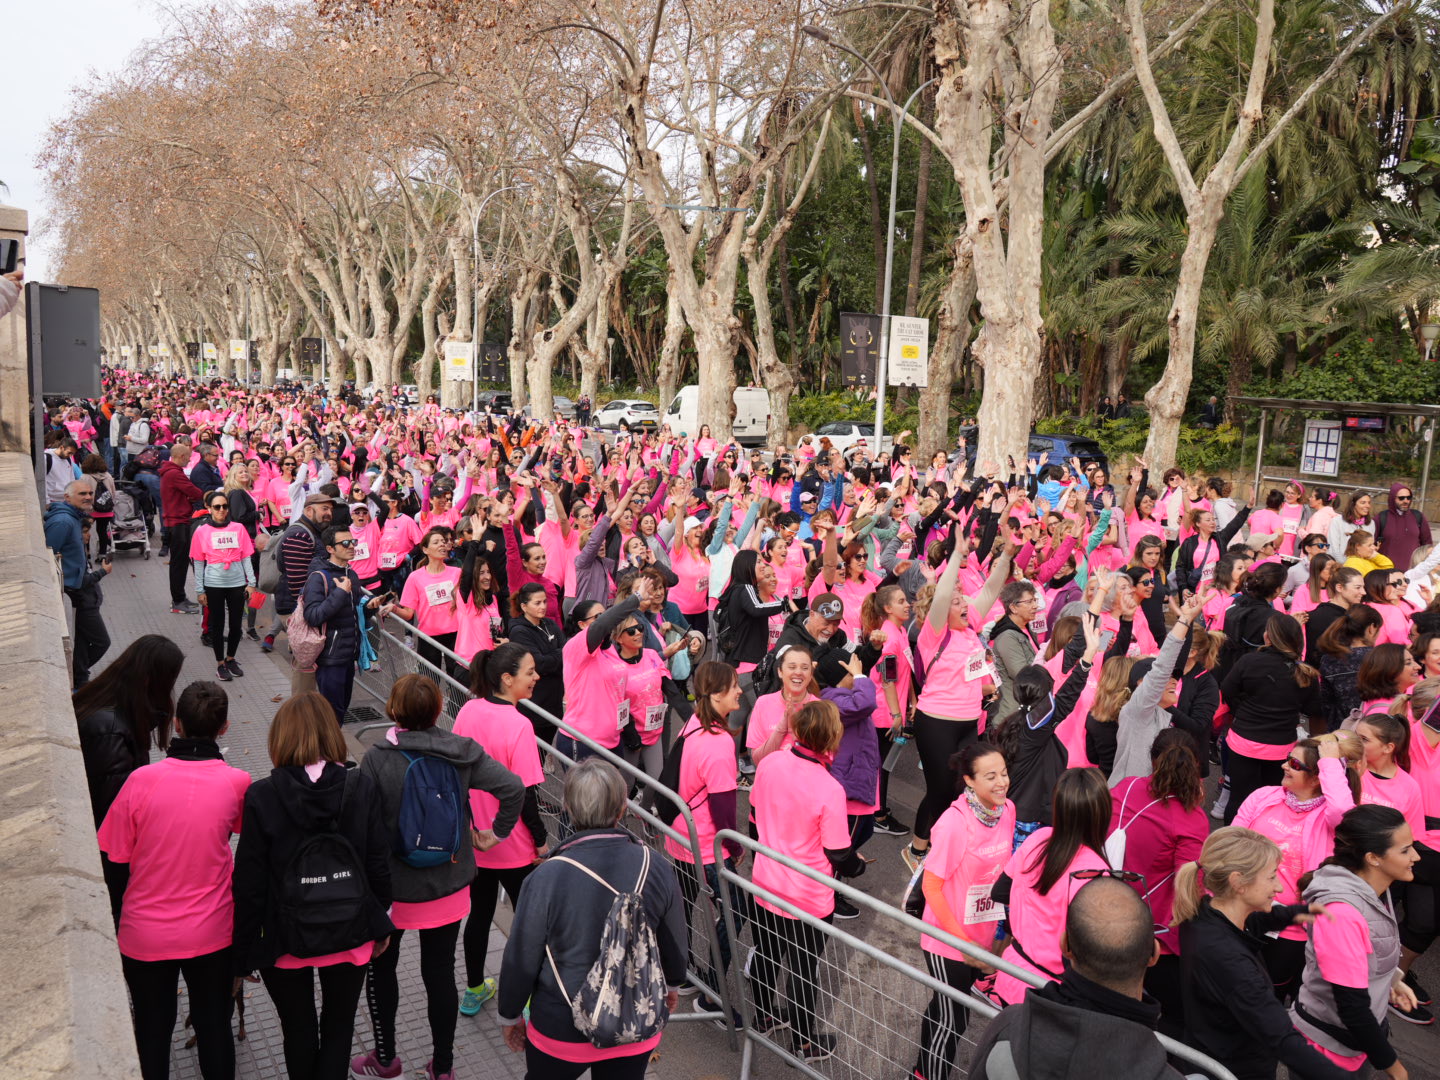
(178,497)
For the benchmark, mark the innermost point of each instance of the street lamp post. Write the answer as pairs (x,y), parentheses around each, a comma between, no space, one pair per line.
(898,114)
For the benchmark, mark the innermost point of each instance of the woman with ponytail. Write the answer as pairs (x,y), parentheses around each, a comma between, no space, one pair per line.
(1385,778)
(1162,817)
(1224,907)
(1351,962)
(1342,649)
(1268,691)
(1320,782)
(499,680)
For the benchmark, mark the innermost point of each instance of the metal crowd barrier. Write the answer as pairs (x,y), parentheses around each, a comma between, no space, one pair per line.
(870,1000)
(396,657)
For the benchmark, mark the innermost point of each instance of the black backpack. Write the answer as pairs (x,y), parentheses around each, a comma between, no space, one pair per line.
(104,501)
(324,892)
(726,632)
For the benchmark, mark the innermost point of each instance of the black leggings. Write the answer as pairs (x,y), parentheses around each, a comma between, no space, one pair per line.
(796,946)
(541,1066)
(1285,961)
(882,735)
(945,1019)
(440,661)
(153,994)
(938,741)
(1421,902)
(442,999)
(1247,776)
(102,533)
(227,610)
(316,1049)
(484,895)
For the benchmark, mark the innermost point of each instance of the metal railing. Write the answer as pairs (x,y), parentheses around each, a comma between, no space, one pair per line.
(870,1000)
(395,657)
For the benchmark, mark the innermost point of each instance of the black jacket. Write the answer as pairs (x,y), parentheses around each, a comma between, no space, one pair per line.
(563,909)
(1070,1028)
(749,620)
(1231,1012)
(1244,630)
(111,754)
(1039,757)
(1265,700)
(1320,619)
(281,811)
(546,645)
(1187,573)
(328,605)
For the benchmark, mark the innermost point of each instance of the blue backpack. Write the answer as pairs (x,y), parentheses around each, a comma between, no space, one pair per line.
(433,810)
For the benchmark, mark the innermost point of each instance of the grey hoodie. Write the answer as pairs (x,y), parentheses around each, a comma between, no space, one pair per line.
(386,764)
(1142,718)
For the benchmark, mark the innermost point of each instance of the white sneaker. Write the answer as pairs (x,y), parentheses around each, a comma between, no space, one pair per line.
(1218,810)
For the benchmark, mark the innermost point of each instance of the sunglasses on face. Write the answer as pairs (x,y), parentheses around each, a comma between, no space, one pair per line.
(1292,762)
(1403,498)
(219,506)
(345,543)
(632,630)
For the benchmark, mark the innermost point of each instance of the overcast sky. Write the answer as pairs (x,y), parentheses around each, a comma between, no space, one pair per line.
(48,50)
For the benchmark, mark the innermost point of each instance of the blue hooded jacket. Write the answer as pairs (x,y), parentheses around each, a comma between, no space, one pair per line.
(64,535)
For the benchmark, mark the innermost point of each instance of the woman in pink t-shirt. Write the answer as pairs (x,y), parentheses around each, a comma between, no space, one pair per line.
(1039,882)
(500,680)
(884,614)
(430,597)
(645,694)
(969,847)
(1316,589)
(477,609)
(800,812)
(596,679)
(1385,592)
(1385,779)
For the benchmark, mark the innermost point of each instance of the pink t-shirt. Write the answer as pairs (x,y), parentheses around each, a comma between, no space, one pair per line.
(475,630)
(172,823)
(398,536)
(220,544)
(1037,921)
(800,811)
(707,767)
(366,562)
(642,691)
(1342,952)
(433,598)
(1160,837)
(897,644)
(1425,767)
(595,688)
(766,716)
(1400,791)
(1300,601)
(1287,829)
(428,914)
(1258,750)
(954,679)
(510,739)
(853,593)
(692,594)
(560,554)
(1136,527)
(968,856)
(1397,625)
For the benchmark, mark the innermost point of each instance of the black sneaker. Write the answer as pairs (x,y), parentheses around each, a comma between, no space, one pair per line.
(164,552)
(234,668)
(765,1024)
(223,673)
(820,1047)
(252,634)
(1421,994)
(1419,1015)
(205,640)
(890,825)
(845,910)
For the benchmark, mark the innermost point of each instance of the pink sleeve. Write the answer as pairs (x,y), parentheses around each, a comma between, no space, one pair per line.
(1338,796)
(717,767)
(834,826)
(197,547)
(525,760)
(117,831)
(942,859)
(1342,945)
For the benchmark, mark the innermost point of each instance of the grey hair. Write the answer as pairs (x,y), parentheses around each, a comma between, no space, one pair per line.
(79,482)
(594,794)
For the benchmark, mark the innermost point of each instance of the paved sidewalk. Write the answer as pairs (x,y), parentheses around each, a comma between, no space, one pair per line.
(137,603)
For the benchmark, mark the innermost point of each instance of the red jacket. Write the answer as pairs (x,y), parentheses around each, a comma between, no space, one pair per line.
(177,494)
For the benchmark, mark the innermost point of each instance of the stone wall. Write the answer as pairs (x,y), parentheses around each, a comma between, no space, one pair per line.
(14,362)
(64,1010)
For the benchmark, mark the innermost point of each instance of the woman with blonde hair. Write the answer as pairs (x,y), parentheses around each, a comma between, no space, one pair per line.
(1111,694)
(1224,906)
(1320,782)
(309,792)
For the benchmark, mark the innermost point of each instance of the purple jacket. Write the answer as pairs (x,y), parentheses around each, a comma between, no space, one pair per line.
(1401,531)
(857,762)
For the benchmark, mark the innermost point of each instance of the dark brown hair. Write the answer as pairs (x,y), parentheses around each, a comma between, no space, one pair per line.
(414,703)
(304,731)
(1081,810)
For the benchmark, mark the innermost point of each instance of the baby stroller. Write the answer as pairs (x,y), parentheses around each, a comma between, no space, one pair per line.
(128,530)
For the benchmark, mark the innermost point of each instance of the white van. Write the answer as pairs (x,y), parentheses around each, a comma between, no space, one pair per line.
(751,426)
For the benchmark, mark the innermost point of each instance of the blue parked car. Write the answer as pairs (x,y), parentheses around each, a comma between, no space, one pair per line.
(1061,448)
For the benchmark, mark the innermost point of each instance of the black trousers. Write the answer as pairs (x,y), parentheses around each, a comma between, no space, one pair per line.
(938,741)
(316,1048)
(227,611)
(944,1020)
(541,1066)
(484,896)
(92,639)
(179,544)
(1247,776)
(442,999)
(154,986)
(796,946)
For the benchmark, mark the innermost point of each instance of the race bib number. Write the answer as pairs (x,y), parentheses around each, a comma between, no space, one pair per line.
(980,907)
(773,635)
(654,717)
(362,550)
(701,585)
(439,593)
(797,592)
(224,541)
(622,714)
(389,560)
(1291,526)
(1037,625)
(1207,574)
(1171,532)
(978,667)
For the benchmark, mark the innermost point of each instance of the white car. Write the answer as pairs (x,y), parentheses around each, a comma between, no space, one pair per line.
(623,414)
(846,434)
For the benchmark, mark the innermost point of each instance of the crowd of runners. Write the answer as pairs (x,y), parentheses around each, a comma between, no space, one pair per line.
(1180,750)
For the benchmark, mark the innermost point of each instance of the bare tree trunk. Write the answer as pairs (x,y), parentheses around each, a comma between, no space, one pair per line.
(953,333)
(667,374)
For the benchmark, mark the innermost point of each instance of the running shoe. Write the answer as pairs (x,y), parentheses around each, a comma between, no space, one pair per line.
(475,997)
(205,641)
(820,1046)
(744,781)
(1218,810)
(223,673)
(912,858)
(252,634)
(268,645)
(765,1024)
(845,910)
(1419,1015)
(1421,994)
(888,824)
(234,668)
(164,552)
(431,1074)
(369,1065)
(185,607)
